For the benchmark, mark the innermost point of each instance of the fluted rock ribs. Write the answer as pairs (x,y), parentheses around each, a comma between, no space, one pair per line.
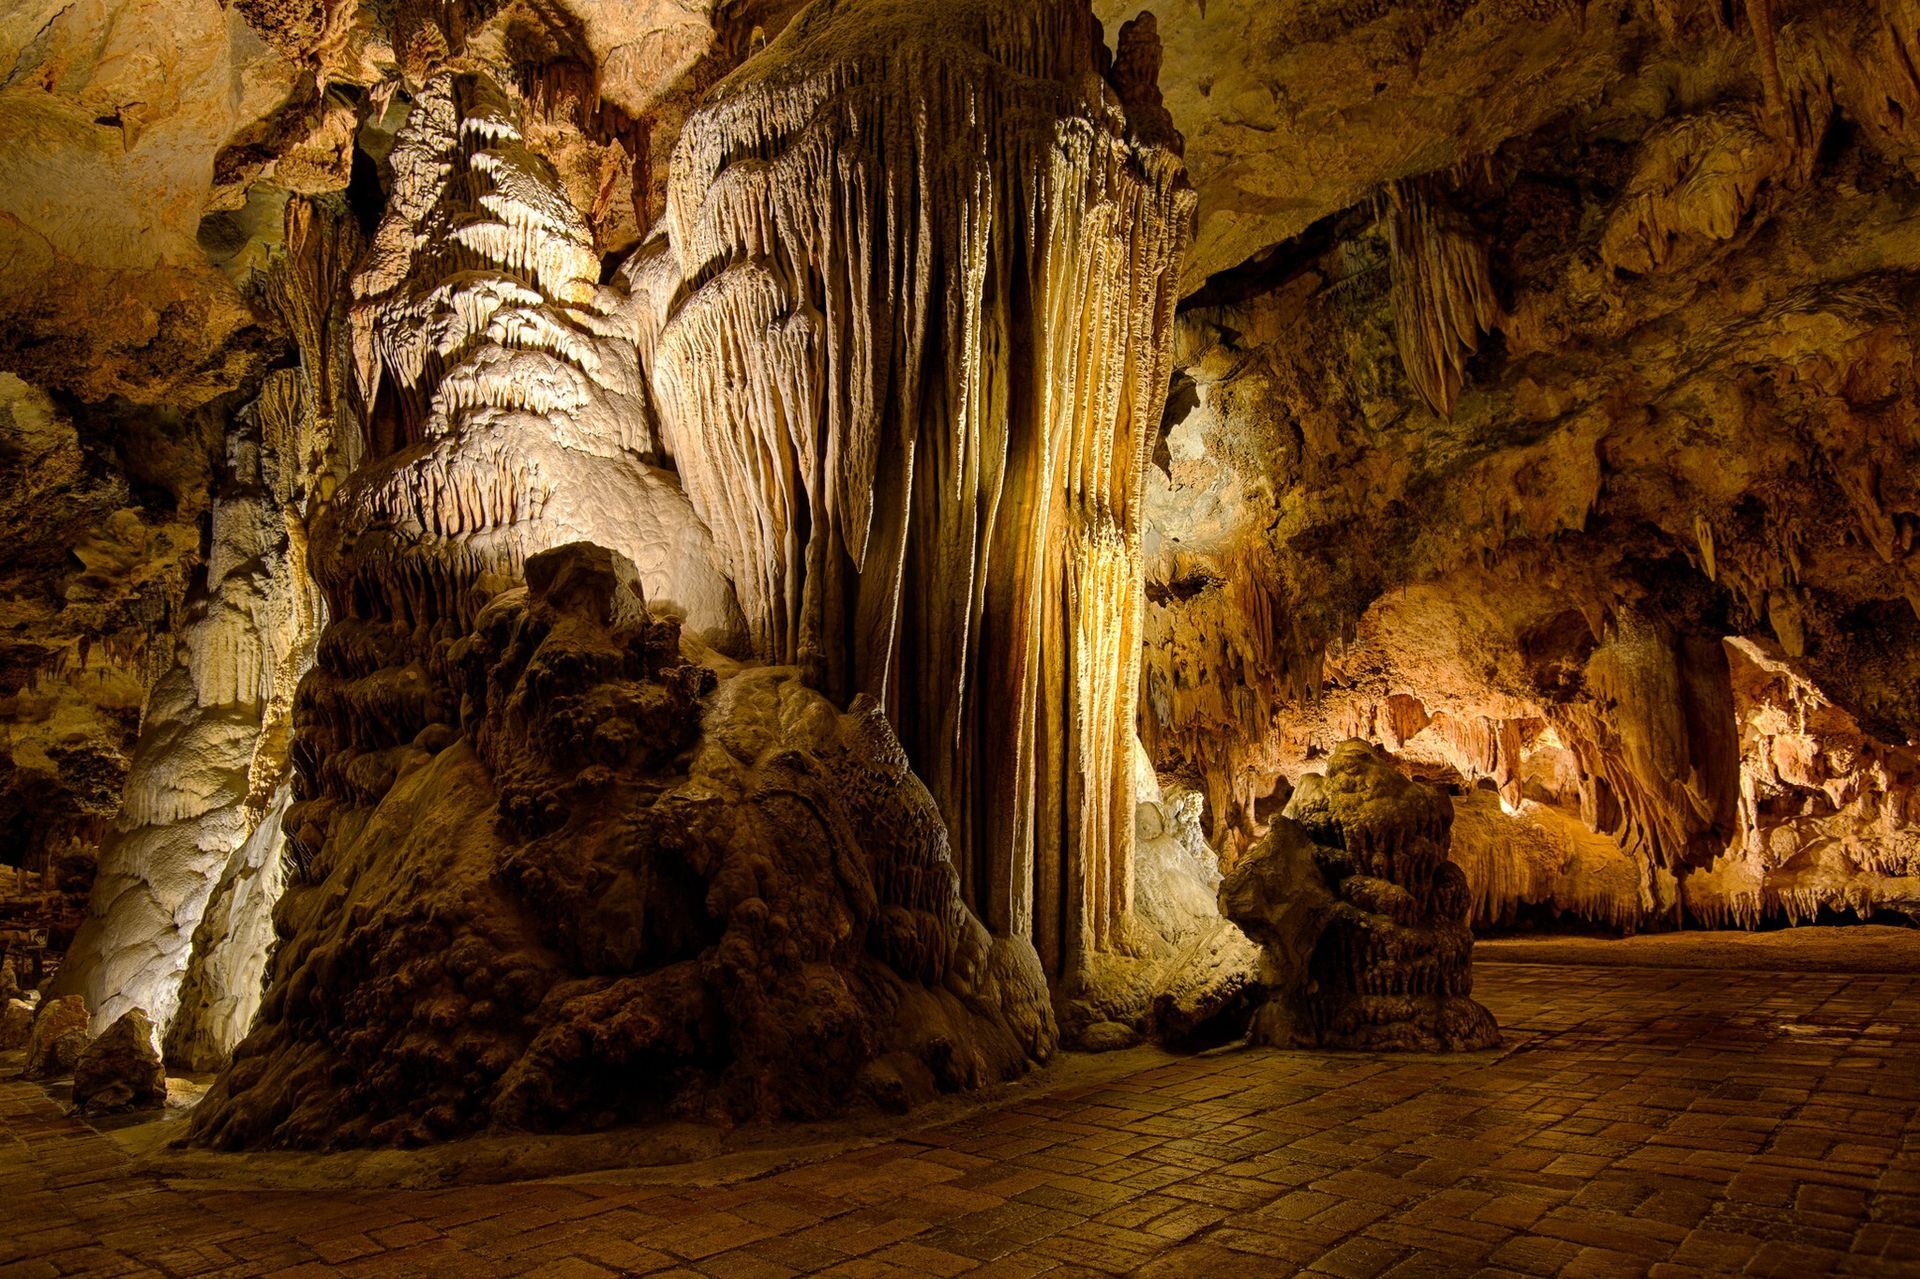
(911,387)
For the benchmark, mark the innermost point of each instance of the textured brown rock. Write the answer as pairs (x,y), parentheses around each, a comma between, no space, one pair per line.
(1525,387)
(120,1069)
(1361,918)
(58,1037)
(616,895)
(16,1024)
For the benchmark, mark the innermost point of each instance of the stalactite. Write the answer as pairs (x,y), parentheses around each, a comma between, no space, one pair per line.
(913,384)
(1443,296)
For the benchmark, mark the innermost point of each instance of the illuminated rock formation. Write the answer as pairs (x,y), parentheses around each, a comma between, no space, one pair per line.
(1177,972)
(1507,468)
(610,894)
(911,388)
(1526,388)
(1361,919)
(755,884)
(201,796)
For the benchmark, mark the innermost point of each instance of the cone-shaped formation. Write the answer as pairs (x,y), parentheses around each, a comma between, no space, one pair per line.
(617,896)
(1361,918)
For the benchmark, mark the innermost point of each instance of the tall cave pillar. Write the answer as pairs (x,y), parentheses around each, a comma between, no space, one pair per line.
(931,256)
(178,922)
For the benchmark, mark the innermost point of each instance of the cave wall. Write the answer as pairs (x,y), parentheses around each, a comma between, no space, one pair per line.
(1528,467)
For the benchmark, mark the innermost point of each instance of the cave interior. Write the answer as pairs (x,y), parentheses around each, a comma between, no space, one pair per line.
(601,584)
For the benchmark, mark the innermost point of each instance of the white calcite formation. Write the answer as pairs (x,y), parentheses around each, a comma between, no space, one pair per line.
(200,807)
(911,383)
(504,413)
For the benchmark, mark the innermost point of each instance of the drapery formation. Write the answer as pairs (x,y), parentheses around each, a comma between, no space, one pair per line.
(930,271)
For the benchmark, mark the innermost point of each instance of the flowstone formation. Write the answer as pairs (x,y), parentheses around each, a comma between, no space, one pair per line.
(610,891)
(190,870)
(1361,919)
(930,257)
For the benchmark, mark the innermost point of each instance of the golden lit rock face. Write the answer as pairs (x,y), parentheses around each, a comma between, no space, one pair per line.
(835,524)
(1508,494)
(915,412)
(796,935)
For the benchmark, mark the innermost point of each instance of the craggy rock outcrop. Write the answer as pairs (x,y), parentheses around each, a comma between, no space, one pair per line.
(58,1037)
(121,1070)
(1361,919)
(613,891)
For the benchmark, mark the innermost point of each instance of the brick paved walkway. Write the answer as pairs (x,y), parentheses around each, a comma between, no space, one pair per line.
(1639,1122)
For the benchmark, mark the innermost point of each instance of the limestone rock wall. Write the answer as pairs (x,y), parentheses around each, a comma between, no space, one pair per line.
(1510,469)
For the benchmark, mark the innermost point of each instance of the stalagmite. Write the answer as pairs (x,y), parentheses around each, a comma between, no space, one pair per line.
(1361,919)
(213,750)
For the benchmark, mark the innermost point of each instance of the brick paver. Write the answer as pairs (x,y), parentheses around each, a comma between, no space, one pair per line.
(1639,1122)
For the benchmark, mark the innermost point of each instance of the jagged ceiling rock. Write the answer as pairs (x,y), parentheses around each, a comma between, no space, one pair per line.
(1651,358)
(111,117)
(1295,109)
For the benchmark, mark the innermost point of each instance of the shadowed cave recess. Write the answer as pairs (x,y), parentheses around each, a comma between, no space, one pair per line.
(576,564)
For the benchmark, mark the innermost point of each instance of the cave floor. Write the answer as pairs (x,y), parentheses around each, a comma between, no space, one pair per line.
(1641,1120)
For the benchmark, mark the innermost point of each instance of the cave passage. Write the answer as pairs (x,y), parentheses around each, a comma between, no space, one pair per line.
(1698,1114)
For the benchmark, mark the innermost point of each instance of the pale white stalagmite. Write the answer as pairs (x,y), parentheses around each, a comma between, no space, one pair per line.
(505,412)
(213,749)
(221,990)
(931,276)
